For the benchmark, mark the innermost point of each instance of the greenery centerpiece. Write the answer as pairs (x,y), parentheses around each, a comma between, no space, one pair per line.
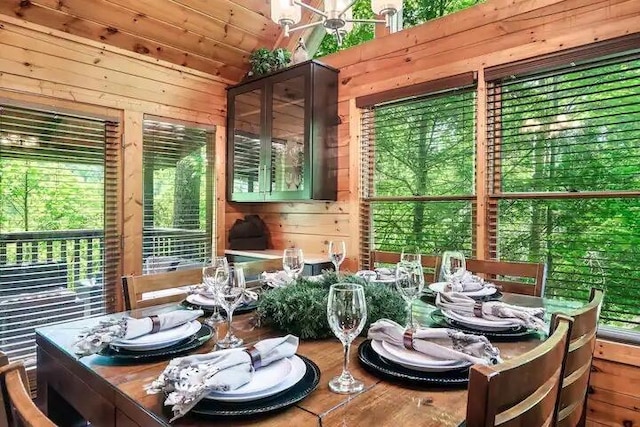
(264,61)
(301,308)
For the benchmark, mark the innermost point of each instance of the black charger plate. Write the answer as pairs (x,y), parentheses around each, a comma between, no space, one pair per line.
(244,308)
(279,401)
(383,368)
(193,342)
(512,334)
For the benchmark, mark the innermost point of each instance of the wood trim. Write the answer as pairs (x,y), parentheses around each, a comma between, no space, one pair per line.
(414,90)
(482,235)
(220,184)
(422,198)
(133,197)
(355,128)
(567,195)
(564,57)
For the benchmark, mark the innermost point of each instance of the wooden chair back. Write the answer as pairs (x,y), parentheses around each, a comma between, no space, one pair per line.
(522,391)
(15,382)
(511,276)
(573,397)
(430,263)
(4,401)
(134,286)
(253,269)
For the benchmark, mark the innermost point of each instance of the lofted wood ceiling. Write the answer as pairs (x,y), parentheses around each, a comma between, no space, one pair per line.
(213,36)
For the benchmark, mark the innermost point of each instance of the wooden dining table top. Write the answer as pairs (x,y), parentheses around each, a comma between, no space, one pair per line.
(382,403)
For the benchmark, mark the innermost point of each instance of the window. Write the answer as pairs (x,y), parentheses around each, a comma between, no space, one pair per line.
(418,173)
(178,196)
(59,241)
(564,150)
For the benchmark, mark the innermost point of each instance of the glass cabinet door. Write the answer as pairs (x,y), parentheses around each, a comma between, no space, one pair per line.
(248,181)
(288,138)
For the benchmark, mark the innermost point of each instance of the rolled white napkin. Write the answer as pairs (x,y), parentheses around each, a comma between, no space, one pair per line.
(276,279)
(188,379)
(108,331)
(491,310)
(439,343)
(467,282)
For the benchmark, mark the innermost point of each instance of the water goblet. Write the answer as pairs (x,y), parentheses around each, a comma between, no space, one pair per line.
(293,262)
(217,262)
(346,313)
(337,254)
(453,264)
(230,296)
(411,254)
(213,277)
(410,283)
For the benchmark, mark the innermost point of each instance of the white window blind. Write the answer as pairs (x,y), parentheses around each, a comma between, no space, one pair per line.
(178,196)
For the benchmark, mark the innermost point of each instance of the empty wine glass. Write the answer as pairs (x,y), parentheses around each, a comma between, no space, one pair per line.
(453,264)
(346,313)
(411,254)
(230,295)
(410,282)
(293,262)
(211,284)
(337,253)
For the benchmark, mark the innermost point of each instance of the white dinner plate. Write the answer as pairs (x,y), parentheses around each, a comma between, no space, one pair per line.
(442,286)
(201,300)
(415,357)
(421,365)
(161,339)
(479,323)
(262,376)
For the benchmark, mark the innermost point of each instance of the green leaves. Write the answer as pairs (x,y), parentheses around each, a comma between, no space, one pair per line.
(263,61)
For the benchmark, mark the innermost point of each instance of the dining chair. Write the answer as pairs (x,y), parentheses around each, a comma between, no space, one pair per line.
(18,400)
(430,263)
(522,391)
(135,286)
(4,408)
(573,397)
(525,278)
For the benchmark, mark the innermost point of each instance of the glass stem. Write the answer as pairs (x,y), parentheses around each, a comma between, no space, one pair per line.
(410,314)
(229,320)
(345,362)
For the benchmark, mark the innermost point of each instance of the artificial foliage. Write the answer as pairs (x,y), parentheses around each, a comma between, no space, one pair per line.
(301,308)
(264,61)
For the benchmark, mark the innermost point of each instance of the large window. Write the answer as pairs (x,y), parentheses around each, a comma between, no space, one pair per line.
(59,242)
(565,161)
(418,173)
(178,196)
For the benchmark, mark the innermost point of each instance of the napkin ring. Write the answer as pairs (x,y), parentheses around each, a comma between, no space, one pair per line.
(155,323)
(477,309)
(256,360)
(407,339)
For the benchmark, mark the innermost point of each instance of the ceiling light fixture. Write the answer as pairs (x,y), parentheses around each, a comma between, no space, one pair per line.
(336,17)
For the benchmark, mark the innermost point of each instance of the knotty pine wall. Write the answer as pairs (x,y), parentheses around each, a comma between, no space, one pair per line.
(45,67)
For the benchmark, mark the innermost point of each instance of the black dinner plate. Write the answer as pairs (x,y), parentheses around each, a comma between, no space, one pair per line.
(383,368)
(243,308)
(512,334)
(279,401)
(188,344)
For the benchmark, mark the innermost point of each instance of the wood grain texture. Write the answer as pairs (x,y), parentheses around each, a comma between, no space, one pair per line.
(133,194)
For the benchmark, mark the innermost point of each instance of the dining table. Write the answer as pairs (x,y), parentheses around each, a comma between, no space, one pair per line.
(107,393)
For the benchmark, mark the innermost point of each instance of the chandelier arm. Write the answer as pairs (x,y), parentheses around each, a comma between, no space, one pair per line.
(347,7)
(338,37)
(311,8)
(367,21)
(302,27)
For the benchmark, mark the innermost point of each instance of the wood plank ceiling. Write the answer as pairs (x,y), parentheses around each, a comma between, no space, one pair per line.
(213,36)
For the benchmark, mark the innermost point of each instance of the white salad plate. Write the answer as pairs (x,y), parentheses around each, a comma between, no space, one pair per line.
(479,323)
(441,287)
(415,360)
(161,339)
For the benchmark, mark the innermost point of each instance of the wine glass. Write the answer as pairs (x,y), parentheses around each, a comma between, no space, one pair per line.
(453,264)
(411,254)
(337,253)
(230,295)
(346,313)
(211,283)
(293,262)
(410,282)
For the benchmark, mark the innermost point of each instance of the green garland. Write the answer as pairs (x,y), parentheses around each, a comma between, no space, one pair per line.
(301,308)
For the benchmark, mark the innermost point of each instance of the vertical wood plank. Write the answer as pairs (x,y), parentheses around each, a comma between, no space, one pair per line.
(482,248)
(220,170)
(355,118)
(133,198)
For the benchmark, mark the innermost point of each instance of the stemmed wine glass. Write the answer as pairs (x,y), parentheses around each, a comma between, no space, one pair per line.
(453,264)
(212,283)
(411,254)
(337,253)
(293,262)
(346,313)
(410,282)
(230,295)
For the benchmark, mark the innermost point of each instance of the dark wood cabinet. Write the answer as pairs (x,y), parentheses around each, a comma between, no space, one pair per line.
(282,136)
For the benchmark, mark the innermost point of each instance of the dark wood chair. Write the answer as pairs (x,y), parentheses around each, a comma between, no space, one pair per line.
(14,380)
(4,408)
(430,263)
(523,391)
(516,277)
(573,397)
(134,286)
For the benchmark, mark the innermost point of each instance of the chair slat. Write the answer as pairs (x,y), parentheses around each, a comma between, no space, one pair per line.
(14,378)
(135,286)
(506,273)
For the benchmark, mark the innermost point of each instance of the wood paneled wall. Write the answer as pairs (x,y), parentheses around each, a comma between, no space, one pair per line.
(45,67)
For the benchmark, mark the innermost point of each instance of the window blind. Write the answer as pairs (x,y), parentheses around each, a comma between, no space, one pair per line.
(59,235)
(418,173)
(564,155)
(178,196)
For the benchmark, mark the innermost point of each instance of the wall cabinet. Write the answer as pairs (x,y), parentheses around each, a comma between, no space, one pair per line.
(282,136)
